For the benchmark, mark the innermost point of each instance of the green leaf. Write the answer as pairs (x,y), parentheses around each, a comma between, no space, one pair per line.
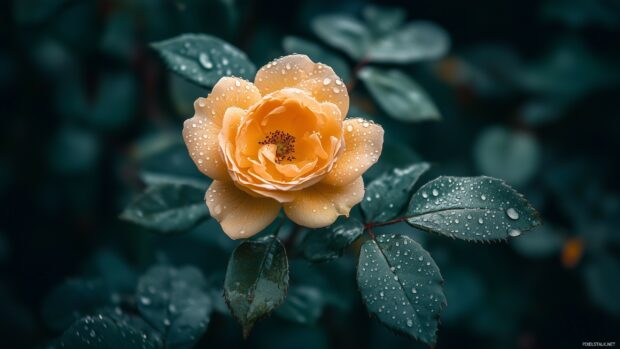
(167,208)
(183,93)
(343,32)
(256,280)
(387,195)
(401,285)
(175,302)
(471,208)
(103,332)
(317,53)
(513,156)
(416,41)
(71,300)
(204,59)
(303,305)
(326,244)
(383,19)
(400,96)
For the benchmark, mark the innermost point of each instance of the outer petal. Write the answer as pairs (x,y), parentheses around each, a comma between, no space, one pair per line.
(201,138)
(227,92)
(201,131)
(299,71)
(363,141)
(321,204)
(240,214)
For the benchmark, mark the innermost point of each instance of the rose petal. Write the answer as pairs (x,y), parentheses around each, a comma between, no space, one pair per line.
(227,92)
(240,214)
(299,71)
(320,205)
(363,141)
(201,138)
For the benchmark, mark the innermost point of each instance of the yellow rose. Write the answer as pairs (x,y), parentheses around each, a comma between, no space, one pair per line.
(282,142)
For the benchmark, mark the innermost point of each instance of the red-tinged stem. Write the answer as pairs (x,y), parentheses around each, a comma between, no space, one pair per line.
(369,226)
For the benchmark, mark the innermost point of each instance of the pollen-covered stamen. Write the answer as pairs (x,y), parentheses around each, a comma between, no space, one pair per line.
(285,145)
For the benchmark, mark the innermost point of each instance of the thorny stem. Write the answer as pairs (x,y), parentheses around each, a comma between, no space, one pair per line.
(393,221)
(371,233)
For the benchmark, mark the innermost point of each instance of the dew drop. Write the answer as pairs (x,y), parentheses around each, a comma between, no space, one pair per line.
(205,61)
(514,232)
(435,192)
(327,81)
(512,213)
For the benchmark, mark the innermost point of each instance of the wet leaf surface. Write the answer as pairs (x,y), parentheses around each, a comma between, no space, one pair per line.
(401,285)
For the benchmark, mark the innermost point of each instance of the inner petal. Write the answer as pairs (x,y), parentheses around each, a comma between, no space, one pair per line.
(286,138)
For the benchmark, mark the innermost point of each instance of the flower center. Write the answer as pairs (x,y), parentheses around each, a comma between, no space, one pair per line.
(284,142)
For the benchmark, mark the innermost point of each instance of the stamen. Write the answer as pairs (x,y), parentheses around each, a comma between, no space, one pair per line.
(284,142)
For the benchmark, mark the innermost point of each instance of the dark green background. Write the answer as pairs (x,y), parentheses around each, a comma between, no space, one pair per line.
(86,107)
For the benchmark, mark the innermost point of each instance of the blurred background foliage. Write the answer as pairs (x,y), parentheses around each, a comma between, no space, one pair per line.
(528,92)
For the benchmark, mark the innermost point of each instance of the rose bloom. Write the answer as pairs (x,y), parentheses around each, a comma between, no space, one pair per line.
(282,142)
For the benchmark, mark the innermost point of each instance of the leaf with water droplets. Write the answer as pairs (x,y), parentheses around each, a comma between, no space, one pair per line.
(176,303)
(204,59)
(293,44)
(387,195)
(400,96)
(471,208)
(256,280)
(343,32)
(326,244)
(104,332)
(414,42)
(168,207)
(401,285)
